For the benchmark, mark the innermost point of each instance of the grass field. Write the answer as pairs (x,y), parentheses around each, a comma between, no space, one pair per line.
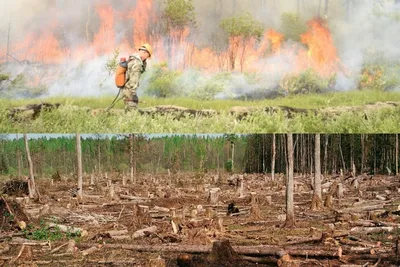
(69,119)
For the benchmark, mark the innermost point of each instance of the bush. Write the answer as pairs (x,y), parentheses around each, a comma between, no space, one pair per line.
(4,77)
(379,78)
(209,89)
(293,26)
(162,82)
(228,165)
(305,83)
(112,63)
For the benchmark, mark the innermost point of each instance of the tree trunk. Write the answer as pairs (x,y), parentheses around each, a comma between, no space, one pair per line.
(19,161)
(31,181)
(99,155)
(326,9)
(233,155)
(132,159)
(362,153)
(317,179)
(397,155)
(79,165)
(326,155)
(273,157)
(289,184)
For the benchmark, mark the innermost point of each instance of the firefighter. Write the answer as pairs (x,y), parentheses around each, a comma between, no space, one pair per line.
(137,65)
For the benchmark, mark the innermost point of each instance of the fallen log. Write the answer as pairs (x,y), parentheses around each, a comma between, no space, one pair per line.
(259,251)
(144,232)
(371,230)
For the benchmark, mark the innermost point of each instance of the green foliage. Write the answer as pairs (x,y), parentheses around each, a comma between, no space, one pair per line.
(112,63)
(379,77)
(162,82)
(208,89)
(19,81)
(44,232)
(305,83)
(293,26)
(69,119)
(4,77)
(243,26)
(178,14)
(228,165)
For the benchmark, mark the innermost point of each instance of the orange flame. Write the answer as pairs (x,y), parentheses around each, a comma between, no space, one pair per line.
(322,53)
(178,48)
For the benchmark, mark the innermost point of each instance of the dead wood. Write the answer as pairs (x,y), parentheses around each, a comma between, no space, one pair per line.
(89,251)
(371,230)
(144,232)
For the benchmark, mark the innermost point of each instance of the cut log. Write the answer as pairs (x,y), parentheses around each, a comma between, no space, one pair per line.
(371,230)
(114,233)
(144,232)
(138,199)
(89,251)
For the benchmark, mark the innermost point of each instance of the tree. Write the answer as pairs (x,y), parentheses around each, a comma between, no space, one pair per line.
(289,183)
(241,30)
(231,138)
(292,26)
(132,159)
(317,196)
(273,157)
(79,165)
(177,16)
(31,179)
(397,155)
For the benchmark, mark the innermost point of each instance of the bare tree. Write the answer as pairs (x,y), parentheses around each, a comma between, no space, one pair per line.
(317,196)
(397,155)
(19,160)
(132,159)
(289,183)
(273,157)
(79,165)
(31,179)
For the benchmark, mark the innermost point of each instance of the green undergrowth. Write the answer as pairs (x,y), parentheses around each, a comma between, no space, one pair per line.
(67,119)
(300,101)
(64,121)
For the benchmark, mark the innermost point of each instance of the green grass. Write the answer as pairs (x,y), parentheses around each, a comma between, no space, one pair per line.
(299,101)
(67,120)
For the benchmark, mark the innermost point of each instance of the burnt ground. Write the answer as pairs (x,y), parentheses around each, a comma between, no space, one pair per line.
(186,221)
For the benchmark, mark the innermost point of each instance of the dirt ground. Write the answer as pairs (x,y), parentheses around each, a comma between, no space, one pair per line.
(185,217)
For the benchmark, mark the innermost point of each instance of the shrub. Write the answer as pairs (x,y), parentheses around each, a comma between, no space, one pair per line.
(4,77)
(378,78)
(211,87)
(305,83)
(162,82)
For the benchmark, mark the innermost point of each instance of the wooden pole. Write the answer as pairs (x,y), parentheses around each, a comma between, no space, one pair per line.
(31,182)
(289,184)
(79,165)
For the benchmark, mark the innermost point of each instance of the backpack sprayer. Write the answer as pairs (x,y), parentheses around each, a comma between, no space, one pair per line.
(120,80)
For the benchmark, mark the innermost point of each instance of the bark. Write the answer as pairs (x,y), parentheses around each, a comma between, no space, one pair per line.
(289,184)
(273,157)
(144,232)
(31,181)
(317,179)
(397,155)
(131,158)
(79,165)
